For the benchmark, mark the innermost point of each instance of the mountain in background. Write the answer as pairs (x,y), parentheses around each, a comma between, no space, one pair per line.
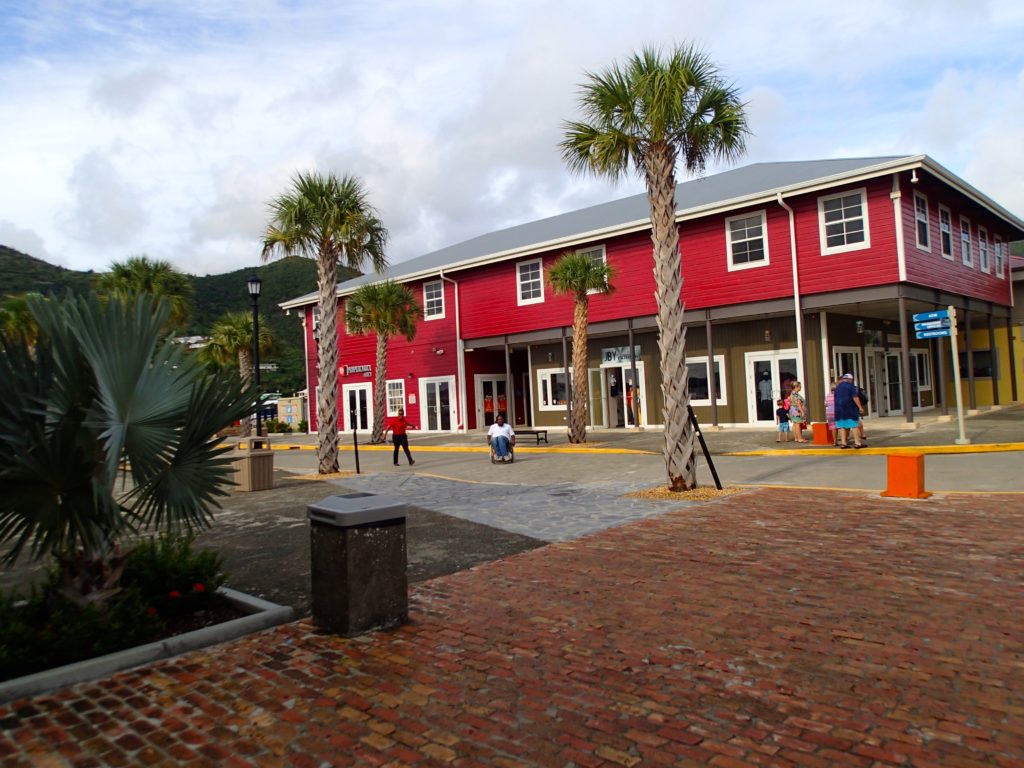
(212,296)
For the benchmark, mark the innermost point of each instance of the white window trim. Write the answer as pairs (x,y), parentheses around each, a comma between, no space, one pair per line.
(387,395)
(519,284)
(721,398)
(542,374)
(825,250)
(915,353)
(440,315)
(1000,261)
(927,222)
(952,240)
(730,265)
(966,254)
(984,254)
(604,260)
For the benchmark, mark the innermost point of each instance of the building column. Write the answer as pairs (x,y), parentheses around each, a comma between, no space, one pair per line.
(712,384)
(992,356)
(971,395)
(1014,395)
(636,379)
(568,381)
(940,355)
(510,388)
(908,393)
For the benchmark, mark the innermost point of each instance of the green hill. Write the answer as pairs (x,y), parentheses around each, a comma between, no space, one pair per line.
(212,296)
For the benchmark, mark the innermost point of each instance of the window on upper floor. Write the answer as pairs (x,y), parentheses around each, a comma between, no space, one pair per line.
(946,232)
(746,241)
(530,282)
(433,300)
(922,221)
(1000,247)
(396,396)
(597,254)
(983,260)
(316,321)
(843,222)
(966,256)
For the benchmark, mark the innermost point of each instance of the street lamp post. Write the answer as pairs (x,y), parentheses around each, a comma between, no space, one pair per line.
(254,285)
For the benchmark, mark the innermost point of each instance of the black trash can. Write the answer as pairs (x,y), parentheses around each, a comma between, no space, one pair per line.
(358,557)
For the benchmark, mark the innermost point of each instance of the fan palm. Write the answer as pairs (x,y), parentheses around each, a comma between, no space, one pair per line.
(15,318)
(107,428)
(386,309)
(651,113)
(579,274)
(140,274)
(329,219)
(231,343)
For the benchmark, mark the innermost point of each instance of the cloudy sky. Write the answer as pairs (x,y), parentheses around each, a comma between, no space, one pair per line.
(164,127)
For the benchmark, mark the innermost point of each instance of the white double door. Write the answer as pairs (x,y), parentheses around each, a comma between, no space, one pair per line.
(437,404)
(770,377)
(357,407)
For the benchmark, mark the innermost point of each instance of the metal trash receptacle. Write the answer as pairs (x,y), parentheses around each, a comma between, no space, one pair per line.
(358,563)
(254,464)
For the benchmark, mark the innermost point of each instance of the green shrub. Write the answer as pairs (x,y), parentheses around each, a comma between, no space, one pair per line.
(172,578)
(273,426)
(303,427)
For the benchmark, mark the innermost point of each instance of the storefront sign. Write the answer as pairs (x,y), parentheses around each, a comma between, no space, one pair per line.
(618,354)
(350,369)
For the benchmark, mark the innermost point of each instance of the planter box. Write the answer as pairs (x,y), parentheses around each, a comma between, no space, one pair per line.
(261,615)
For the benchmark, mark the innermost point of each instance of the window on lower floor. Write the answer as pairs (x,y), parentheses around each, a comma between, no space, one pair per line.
(746,241)
(843,221)
(552,389)
(699,384)
(396,396)
(986,364)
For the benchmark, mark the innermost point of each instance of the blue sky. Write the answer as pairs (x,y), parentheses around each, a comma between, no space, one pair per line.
(165,127)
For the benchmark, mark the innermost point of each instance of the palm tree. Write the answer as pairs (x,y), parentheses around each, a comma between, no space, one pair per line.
(328,219)
(16,319)
(107,429)
(651,113)
(386,309)
(579,275)
(230,343)
(140,274)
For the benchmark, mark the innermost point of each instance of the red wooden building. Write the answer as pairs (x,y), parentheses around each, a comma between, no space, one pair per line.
(792,270)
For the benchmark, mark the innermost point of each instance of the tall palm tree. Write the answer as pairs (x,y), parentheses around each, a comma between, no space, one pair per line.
(231,343)
(579,275)
(141,274)
(16,320)
(386,309)
(651,113)
(329,219)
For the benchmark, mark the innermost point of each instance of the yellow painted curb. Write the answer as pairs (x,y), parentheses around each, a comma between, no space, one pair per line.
(902,450)
(469,449)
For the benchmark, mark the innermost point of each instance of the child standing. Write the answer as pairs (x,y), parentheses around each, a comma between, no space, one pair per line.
(782,420)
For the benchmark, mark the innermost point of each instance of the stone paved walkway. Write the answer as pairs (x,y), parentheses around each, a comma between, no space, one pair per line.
(767,628)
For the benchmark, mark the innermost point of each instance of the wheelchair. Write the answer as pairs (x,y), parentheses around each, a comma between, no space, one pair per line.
(511,453)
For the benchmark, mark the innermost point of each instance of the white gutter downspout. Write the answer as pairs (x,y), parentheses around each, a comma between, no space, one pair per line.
(796,282)
(901,256)
(460,359)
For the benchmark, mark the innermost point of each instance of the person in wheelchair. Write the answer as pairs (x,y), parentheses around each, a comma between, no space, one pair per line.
(501,438)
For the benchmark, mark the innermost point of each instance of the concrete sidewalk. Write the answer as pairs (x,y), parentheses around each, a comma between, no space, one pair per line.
(761,629)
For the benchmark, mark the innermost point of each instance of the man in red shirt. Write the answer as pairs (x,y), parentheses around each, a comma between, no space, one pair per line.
(398,426)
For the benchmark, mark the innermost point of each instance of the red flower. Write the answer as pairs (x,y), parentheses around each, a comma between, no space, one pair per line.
(174,594)
(198,587)
(151,611)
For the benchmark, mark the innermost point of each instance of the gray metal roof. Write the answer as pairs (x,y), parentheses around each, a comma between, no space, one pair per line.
(733,188)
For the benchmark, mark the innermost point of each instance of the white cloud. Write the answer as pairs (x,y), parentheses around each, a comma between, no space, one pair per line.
(165,129)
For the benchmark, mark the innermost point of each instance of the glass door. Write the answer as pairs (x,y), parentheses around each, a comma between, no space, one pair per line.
(770,377)
(358,411)
(436,404)
(596,393)
(893,383)
(491,399)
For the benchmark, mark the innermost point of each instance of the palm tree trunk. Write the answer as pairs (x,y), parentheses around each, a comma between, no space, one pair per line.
(327,362)
(245,371)
(680,461)
(380,390)
(580,383)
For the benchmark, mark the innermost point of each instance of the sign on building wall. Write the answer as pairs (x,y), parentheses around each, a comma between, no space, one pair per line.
(619,354)
(348,370)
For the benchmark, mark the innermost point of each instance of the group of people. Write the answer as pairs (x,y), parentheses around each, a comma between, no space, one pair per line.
(500,437)
(844,410)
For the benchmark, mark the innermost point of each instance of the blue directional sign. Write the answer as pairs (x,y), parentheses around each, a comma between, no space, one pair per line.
(932,325)
(940,314)
(935,334)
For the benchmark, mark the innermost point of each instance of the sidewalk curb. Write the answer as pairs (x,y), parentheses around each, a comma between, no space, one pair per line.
(902,450)
(262,615)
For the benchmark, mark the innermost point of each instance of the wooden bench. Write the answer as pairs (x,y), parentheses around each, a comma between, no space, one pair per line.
(540,434)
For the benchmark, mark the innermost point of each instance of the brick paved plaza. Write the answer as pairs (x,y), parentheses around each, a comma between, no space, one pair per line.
(774,627)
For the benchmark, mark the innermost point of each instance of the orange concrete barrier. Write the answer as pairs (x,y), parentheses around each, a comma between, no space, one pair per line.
(905,477)
(821,434)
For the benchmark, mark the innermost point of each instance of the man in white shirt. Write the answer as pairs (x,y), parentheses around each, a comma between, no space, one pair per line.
(500,436)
